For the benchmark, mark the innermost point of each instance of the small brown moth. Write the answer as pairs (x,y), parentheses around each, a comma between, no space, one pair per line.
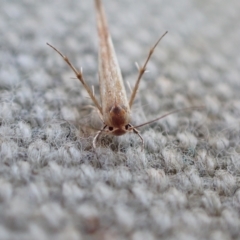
(115,108)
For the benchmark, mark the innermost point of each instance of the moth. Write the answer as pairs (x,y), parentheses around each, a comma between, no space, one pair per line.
(115,107)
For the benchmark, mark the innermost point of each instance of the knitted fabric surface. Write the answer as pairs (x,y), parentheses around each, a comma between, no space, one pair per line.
(183,185)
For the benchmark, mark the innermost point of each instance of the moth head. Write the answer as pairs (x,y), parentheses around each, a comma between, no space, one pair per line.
(118,120)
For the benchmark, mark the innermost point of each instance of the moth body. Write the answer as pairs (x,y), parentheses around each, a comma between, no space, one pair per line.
(115,108)
(115,105)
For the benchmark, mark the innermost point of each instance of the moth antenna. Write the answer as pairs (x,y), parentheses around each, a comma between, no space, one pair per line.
(142,70)
(79,77)
(167,114)
(93,90)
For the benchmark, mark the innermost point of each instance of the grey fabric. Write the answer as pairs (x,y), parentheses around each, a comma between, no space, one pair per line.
(184,185)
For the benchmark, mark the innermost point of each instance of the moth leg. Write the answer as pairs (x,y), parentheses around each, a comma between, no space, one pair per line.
(140,136)
(142,70)
(79,75)
(97,136)
(100,115)
(97,110)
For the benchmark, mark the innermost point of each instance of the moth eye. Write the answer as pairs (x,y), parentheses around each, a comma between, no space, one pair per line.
(126,127)
(110,128)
